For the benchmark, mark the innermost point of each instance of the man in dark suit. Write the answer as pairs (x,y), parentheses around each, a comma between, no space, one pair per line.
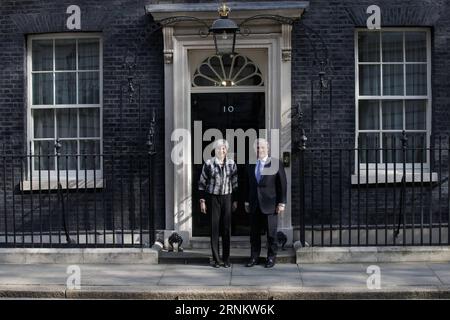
(266,198)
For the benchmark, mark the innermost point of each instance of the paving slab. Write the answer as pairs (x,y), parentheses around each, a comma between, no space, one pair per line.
(405,267)
(189,270)
(333,267)
(173,281)
(408,273)
(121,279)
(443,267)
(134,267)
(267,281)
(191,276)
(389,280)
(33,275)
(442,271)
(123,271)
(444,279)
(260,270)
(195,281)
(334,279)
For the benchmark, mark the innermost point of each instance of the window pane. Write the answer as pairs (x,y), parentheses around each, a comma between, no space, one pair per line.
(416,150)
(238,63)
(44,151)
(200,81)
(90,151)
(368,144)
(68,159)
(88,54)
(65,54)
(369,115)
(65,83)
(369,46)
(42,55)
(416,46)
(42,88)
(206,70)
(88,88)
(369,80)
(416,79)
(392,148)
(393,80)
(44,123)
(392,46)
(392,115)
(416,116)
(66,123)
(89,122)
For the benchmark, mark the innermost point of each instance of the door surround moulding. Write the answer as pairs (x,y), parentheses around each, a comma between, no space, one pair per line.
(178,40)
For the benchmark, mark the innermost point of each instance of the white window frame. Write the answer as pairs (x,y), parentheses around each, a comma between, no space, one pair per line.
(219,78)
(43,175)
(399,165)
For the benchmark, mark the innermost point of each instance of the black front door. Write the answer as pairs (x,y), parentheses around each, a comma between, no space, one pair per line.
(225,111)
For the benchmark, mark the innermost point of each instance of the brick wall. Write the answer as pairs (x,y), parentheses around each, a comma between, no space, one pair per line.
(123,25)
(125,30)
(335,21)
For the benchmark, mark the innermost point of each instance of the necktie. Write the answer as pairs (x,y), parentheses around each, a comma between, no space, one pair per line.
(258,171)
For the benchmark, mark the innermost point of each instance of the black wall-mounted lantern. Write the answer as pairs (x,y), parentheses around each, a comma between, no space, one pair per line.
(224,31)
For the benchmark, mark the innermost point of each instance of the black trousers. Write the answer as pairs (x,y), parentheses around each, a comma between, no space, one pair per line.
(269,222)
(220,209)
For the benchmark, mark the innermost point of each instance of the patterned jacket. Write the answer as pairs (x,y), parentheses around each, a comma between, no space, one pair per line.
(218,180)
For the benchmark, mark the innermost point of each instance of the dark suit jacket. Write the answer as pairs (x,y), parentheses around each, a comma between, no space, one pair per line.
(270,190)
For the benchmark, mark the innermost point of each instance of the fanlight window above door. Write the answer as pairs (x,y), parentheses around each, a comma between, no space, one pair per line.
(227,71)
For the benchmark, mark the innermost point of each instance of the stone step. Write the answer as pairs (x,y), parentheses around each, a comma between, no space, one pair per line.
(236,242)
(203,256)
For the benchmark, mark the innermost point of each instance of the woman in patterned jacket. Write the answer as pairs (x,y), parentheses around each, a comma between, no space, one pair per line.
(218,187)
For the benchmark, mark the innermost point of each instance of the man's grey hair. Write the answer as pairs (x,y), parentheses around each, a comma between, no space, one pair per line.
(221,142)
(260,141)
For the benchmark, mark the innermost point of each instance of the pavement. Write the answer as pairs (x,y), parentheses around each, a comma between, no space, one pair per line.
(201,281)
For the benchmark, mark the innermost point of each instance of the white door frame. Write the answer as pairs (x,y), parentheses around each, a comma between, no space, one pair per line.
(178,178)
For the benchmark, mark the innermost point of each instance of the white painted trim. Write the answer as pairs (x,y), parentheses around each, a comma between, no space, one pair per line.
(52,184)
(169,127)
(227,89)
(381,97)
(29,123)
(370,177)
(239,10)
(233,75)
(178,115)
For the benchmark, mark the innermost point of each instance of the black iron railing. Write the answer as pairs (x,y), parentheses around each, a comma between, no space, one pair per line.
(82,200)
(346,198)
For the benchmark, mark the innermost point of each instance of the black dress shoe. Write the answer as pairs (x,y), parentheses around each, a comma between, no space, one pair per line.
(252,262)
(226,264)
(216,265)
(270,263)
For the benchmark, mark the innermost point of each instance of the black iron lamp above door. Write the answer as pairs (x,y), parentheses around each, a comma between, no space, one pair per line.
(224,32)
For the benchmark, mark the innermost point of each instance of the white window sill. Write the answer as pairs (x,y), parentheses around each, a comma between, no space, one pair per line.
(70,184)
(393,177)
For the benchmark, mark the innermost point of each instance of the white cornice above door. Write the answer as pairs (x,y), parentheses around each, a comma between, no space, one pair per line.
(207,13)
(239,10)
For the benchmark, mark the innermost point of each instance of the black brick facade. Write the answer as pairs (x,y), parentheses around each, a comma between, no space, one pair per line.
(124,25)
(336,22)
